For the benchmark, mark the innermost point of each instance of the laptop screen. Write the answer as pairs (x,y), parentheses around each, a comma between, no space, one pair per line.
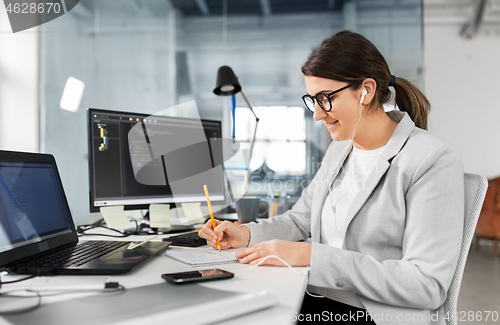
(32,206)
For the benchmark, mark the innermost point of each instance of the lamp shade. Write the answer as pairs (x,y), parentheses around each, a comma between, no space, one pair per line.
(227,83)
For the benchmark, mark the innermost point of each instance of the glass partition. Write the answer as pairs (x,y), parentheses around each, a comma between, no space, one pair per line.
(148,55)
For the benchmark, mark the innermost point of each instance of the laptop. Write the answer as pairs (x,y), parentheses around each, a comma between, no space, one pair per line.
(37,233)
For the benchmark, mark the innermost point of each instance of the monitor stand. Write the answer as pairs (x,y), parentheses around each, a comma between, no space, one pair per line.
(145,229)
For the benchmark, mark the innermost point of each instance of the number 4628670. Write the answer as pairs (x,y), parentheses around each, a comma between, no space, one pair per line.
(473,316)
(34,8)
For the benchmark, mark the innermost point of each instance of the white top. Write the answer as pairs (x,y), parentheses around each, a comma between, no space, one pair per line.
(348,183)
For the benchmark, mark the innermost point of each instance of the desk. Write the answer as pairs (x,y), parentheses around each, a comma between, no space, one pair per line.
(284,283)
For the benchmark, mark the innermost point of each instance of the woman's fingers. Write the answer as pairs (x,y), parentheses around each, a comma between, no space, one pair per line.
(223,227)
(223,245)
(268,261)
(246,252)
(257,261)
(211,236)
(227,232)
(207,232)
(251,257)
(207,227)
(261,253)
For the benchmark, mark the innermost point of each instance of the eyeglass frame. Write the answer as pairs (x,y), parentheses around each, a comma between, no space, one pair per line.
(315,100)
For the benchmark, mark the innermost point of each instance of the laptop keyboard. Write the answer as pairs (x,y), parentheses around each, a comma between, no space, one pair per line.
(190,239)
(77,255)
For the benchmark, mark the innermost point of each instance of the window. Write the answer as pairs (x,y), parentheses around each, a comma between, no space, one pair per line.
(280,144)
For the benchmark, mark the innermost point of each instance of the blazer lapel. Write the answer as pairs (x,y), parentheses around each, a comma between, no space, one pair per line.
(394,146)
(370,184)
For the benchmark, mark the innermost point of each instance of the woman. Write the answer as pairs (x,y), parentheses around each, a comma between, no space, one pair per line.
(384,212)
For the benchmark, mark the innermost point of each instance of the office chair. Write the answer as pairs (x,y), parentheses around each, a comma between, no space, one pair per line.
(475,191)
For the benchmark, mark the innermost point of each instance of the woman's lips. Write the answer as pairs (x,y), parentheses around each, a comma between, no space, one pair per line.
(329,126)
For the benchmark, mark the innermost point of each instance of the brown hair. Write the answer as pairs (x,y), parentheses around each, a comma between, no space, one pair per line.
(350,57)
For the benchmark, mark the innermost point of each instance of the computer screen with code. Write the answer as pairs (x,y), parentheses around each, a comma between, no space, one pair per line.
(112,180)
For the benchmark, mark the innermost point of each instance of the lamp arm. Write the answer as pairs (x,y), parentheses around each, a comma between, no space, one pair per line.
(250,152)
(250,106)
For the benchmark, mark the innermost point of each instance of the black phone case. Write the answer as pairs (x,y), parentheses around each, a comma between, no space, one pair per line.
(171,279)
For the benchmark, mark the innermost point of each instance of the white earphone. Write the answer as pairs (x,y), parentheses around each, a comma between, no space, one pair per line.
(364,93)
(363,96)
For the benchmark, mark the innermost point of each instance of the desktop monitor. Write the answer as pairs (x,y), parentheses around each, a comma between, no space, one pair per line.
(111,174)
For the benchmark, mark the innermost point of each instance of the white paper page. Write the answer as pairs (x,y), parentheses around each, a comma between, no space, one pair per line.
(208,256)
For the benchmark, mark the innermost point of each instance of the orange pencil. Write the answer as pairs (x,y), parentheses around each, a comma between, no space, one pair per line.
(211,213)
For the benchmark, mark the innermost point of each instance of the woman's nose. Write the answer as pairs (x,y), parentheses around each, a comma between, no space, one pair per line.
(319,113)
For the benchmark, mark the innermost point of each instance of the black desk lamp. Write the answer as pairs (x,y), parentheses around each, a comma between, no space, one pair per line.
(227,85)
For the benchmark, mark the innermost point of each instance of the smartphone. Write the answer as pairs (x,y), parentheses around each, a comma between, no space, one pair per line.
(197,276)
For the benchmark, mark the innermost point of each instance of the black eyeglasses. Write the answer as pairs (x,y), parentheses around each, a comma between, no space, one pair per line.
(323,100)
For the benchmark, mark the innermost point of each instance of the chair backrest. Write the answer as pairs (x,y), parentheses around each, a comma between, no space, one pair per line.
(475,190)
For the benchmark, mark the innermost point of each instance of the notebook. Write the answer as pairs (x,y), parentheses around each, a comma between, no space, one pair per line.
(204,257)
(37,233)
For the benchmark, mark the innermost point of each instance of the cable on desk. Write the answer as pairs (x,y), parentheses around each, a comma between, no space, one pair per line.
(265,258)
(99,224)
(20,310)
(18,280)
(279,258)
(109,287)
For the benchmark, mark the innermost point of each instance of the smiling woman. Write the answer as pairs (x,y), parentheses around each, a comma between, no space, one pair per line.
(345,113)
(388,193)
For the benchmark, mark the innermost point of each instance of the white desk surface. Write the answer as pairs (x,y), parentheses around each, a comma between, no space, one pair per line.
(286,284)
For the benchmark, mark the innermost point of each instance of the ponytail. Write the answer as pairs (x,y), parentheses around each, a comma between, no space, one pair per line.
(412,101)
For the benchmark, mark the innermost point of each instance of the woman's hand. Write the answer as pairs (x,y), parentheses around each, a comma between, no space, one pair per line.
(294,253)
(228,234)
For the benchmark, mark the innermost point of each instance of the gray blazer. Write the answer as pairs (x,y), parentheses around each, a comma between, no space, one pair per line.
(404,228)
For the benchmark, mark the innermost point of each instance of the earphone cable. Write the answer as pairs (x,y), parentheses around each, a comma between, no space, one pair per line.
(351,162)
(288,265)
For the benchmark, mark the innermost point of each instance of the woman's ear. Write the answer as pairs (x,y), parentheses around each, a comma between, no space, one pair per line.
(370,86)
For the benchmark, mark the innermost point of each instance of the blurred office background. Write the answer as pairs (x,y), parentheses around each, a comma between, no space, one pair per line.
(145,56)
(148,55)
